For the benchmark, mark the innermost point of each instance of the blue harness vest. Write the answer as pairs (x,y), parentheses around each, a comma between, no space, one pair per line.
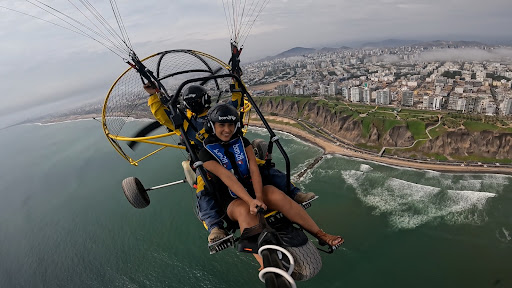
(232,156)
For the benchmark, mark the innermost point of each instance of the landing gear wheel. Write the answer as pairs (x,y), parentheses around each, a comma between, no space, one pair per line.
(260,148)
(307,261)
(135,192)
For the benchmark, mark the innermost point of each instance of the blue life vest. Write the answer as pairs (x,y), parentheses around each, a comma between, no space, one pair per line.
(239,165)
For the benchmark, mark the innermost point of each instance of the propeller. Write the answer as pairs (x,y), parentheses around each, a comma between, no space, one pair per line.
(144,131)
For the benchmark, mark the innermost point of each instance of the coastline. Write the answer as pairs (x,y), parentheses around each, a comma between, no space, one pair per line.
(330,148)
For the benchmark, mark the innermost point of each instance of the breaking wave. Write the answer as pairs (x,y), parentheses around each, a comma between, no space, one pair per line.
(365,168)
(408,205)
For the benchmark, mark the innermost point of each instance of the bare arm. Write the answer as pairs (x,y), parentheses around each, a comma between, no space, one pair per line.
(255,173)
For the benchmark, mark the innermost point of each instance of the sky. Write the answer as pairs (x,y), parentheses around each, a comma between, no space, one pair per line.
(41,63)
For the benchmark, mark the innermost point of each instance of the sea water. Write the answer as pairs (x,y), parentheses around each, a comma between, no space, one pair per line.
(64,221)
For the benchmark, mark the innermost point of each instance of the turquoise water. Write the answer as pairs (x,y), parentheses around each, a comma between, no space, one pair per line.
(64,221)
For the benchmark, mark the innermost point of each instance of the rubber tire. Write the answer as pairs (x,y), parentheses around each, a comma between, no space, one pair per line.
(260,147)
(307,261)
(135,192)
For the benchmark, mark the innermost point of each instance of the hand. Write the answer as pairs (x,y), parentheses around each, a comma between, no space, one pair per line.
(149,88)
(255,204)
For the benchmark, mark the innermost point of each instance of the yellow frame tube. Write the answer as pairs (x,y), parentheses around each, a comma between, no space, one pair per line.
(112,137)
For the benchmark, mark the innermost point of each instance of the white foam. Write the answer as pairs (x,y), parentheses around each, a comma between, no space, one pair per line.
(258,130)
(353,178)
(365,168)
(473,184)
(465,199)
(432,174)
(506,234)
(497,178)
(328,156)
(408,205)
(396,194)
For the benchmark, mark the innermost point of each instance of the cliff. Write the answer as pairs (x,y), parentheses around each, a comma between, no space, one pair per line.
(460,142)
(453,143)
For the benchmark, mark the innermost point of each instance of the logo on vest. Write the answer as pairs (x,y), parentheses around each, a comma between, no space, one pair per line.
(221,156)
(238,153)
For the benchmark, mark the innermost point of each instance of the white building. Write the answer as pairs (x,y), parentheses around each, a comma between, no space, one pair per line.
(459,90)
(461,105)
(452,102)
(438,102)
(344,93)
(332,89)
(490,108)
(428,102)
(366,95)
(356,94)
(322,90)
(506,106)
(383,97)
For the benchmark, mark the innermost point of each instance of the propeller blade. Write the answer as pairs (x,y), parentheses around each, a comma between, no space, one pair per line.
(144,131)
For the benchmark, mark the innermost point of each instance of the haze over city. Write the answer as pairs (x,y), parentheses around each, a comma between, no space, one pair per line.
(43,63)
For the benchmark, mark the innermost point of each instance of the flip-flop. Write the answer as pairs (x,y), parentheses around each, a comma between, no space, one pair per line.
(327,239)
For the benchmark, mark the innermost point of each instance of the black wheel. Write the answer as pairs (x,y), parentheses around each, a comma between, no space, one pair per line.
(135,192)
(260,148)
(307,261)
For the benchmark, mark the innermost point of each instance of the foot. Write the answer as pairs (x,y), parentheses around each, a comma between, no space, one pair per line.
(302,197)
(216,234)
(324,238)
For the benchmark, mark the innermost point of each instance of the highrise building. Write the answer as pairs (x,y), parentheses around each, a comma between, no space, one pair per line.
(407,98)
(507,106)
(355,94)
(366,95)
(344,93)
(332,89)
(383,97)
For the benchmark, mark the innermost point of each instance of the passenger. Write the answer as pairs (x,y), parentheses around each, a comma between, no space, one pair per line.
(230,158)
(197,102)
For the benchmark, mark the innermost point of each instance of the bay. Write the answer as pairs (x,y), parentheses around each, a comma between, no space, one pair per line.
(64,221)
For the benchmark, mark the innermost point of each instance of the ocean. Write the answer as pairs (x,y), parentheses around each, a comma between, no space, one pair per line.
(65,222)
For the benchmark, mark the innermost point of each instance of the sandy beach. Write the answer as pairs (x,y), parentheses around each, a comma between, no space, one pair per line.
(330,148)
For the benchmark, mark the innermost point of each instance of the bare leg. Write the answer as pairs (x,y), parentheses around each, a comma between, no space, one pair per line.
(275,199)
(238,211)
(260,261)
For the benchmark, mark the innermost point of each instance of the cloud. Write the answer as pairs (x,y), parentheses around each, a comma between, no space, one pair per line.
(467,54)
(37,57)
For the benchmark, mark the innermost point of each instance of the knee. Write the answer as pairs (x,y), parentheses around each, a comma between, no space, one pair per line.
(272,193)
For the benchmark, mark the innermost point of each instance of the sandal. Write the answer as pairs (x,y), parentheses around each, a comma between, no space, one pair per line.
(327,239)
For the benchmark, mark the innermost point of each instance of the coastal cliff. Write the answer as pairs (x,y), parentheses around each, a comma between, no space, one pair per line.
(447,143)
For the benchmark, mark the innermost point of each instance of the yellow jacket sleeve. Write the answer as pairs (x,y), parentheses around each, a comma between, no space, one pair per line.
(158,110)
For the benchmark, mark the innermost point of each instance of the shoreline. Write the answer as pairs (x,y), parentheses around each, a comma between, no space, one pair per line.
(330,148)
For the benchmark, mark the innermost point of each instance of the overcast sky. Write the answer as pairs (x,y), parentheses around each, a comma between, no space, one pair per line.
(41,62)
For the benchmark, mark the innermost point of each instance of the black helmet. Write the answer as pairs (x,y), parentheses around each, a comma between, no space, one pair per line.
(196,99)
(223,113)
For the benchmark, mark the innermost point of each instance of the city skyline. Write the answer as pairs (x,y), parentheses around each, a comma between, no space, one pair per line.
(37,70)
